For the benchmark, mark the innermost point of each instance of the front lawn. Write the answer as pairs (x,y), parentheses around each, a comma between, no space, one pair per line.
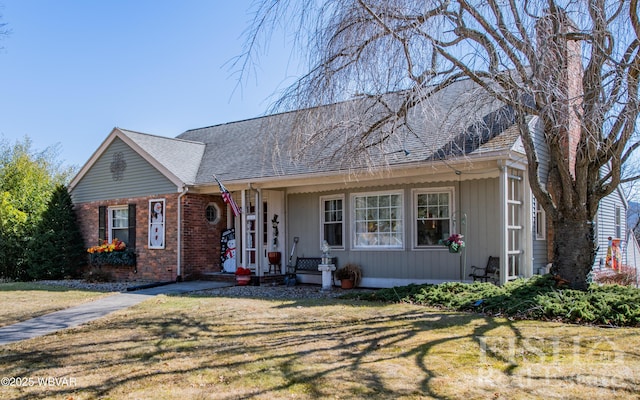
(223,347)
(21,301)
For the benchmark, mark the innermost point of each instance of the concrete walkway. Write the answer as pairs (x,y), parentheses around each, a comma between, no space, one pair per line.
(83,313)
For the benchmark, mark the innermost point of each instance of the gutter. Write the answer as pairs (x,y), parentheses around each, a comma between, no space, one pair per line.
(343,177)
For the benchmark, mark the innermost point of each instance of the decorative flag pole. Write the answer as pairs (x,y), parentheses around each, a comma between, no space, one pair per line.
(226,196)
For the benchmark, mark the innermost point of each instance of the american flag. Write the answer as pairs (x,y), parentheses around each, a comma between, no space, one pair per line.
(226,196)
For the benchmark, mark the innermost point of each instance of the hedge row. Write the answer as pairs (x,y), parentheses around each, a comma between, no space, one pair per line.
(537,298)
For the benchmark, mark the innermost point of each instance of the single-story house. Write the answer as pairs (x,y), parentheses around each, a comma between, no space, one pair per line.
(160,196)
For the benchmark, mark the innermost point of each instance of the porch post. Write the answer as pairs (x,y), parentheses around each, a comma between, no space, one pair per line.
(527,222)
(243,229)
(504,246)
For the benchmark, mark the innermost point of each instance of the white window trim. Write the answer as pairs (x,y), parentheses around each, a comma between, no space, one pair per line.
(344,214)
(617,221)
(163,223)
(414,214)
(110,220)
(352,221)
(540,218)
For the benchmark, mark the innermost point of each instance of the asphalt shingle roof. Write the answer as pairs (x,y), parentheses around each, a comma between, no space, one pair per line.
(456,122)
(180,157)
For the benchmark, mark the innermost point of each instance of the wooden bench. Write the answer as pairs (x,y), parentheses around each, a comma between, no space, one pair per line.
(309,265)
(490,273)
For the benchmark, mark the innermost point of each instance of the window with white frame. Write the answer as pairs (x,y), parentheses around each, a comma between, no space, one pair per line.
(331,216)
(618,222)
(378,220)
(119,223)
(433,212)
(540,221)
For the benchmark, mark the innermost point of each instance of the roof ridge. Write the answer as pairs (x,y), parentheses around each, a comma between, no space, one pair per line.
(124,130)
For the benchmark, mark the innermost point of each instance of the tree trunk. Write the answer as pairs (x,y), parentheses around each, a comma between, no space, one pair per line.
(573,251)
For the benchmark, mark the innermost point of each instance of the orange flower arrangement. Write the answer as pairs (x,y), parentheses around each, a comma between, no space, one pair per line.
(106,247)
(115,253)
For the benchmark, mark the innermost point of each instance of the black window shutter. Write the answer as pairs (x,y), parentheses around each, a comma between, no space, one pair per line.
(132,227)
(102,223)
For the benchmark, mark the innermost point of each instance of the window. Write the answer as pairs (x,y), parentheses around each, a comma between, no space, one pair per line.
(378,220)
(539,223)
(433,208)
(212,213)
(156,223)
(331,217)
(119,223)
(618,222)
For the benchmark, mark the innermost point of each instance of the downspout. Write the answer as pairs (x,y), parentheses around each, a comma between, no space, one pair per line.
(185,189)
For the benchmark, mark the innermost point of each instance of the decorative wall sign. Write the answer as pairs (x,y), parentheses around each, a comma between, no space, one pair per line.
(156,223)
(228,250)
(118,165)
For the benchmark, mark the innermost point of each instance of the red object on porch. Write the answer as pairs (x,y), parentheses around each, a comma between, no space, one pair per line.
(243,276)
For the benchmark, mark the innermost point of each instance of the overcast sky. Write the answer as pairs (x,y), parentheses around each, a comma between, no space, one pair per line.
(72,70)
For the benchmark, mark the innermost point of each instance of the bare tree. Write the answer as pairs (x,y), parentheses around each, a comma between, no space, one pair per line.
(573,64)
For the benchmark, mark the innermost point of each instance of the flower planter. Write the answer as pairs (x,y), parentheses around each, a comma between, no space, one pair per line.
(274,257)
(243,280)
(113,254)
(346,283)
(115,259)
(243,276)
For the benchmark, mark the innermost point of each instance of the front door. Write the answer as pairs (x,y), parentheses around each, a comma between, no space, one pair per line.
(272,221)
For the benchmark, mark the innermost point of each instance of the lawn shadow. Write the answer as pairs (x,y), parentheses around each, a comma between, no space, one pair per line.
(304,342)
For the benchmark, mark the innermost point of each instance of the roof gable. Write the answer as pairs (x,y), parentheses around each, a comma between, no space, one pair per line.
(178,160)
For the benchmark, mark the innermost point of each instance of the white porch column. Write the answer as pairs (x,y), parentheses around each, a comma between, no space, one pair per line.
(527,222)
(504,212)
(243,229)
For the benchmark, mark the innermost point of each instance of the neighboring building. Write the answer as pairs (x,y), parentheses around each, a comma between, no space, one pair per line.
(442,180)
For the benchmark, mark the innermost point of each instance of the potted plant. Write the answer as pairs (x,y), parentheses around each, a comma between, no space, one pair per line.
(349,275)
(112,254)
(454,243)
(243,276)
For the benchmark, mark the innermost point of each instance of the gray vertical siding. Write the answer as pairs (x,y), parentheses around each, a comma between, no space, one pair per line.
(138,179)
(539,247)
(480,200)
(475,199)
(606,225)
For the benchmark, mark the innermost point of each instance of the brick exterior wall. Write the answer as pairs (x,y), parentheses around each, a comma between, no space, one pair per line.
(200,240)
(562,70)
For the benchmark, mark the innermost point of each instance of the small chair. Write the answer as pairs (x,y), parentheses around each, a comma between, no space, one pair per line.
(490,273)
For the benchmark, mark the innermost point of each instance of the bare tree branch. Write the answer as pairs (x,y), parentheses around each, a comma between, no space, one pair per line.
(572,64)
